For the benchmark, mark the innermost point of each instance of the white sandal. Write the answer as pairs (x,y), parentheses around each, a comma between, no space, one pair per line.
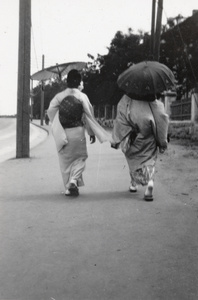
(148,195)
(133,189)
(67,193)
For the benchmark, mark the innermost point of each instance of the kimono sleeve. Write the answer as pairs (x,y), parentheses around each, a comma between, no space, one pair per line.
(54,106)
(91,124)
(161,123)
(121,126)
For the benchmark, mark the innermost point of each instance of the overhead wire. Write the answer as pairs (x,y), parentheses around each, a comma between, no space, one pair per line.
(184,45)
(186,52)
(34,43)
(34,47)
(34,28)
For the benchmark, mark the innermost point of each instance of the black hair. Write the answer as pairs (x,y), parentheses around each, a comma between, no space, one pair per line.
(73,79)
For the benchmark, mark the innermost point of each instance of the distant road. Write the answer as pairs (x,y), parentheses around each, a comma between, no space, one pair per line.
(8,137)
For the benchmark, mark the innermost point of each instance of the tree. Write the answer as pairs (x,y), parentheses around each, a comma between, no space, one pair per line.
(102,74)
(179,48)
(50,90)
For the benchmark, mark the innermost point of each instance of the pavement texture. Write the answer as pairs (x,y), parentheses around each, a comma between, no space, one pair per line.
(105,244)
(8,137)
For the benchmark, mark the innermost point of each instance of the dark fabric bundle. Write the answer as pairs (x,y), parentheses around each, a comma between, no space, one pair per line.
(70,112)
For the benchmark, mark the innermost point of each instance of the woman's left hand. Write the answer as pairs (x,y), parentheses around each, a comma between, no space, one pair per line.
(162,150)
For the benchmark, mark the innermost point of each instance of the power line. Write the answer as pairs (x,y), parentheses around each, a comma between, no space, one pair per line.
(186,52)
(184,46)
(34,46)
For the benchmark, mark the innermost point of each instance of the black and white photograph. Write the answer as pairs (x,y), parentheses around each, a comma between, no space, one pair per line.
(99,150)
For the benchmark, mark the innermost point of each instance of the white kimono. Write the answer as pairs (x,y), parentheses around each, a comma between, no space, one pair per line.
(92,126)
(71,142)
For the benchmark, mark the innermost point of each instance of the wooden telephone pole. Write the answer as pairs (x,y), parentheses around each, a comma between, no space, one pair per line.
(152,45)
(23,93)
(156,30)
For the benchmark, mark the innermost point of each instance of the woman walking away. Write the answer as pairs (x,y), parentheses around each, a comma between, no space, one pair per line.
(140,129)
(71,112)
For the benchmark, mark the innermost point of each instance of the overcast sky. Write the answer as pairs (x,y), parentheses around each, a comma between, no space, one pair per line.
(67,30)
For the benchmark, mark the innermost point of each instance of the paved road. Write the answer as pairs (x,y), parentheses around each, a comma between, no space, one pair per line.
(8,137)
(105,244)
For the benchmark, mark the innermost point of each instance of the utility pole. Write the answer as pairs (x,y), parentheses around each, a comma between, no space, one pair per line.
(158,30)
(23,93)
(42,92)
(152,30)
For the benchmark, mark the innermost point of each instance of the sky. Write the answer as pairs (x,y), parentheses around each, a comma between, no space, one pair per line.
(67,30)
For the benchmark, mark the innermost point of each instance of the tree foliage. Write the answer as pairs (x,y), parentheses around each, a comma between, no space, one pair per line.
(50,90)
(178,50)
(101,76)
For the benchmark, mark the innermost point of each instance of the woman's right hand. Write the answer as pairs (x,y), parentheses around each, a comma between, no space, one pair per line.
(92,139)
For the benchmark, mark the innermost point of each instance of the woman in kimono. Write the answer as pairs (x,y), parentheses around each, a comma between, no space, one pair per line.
(140,129)
(71,112)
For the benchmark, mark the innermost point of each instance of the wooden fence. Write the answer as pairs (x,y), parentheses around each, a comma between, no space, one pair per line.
(178,110)
(181,110)
(107,112)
